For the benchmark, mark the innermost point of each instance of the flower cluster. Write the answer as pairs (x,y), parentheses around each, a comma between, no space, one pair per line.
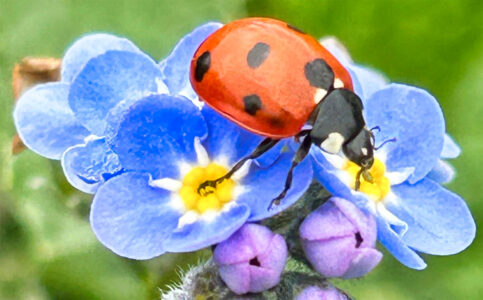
(133,132)
(129,130)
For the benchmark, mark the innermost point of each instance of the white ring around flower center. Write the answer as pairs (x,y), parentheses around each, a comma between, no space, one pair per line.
(174,186)
(339,161)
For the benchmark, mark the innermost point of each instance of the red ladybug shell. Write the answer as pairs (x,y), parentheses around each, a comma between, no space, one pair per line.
(252,71)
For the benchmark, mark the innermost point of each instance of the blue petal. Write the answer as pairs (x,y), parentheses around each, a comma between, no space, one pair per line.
(204,233)
(337,49)
(414,118)
(439,221)
(366,81)
(132,218)
(269,157)
(226,139)
(87,166)
(89,47)
(114,117)
(450,148)
(108,79)
(176,67)
(397,247)
(442,172)
(261,186)
(324,172)
(45,122)
(157,133)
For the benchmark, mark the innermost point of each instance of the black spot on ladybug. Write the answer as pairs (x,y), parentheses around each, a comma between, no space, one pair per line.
(252,104)
(295,28)
(319,74)
(258,54)
(202,65)
(276,122)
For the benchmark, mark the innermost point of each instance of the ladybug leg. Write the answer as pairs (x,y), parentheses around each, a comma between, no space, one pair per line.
(302,152)
(263,147)
(339,119)
(301,134)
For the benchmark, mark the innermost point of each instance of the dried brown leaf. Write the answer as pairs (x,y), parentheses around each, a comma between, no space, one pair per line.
(29,72)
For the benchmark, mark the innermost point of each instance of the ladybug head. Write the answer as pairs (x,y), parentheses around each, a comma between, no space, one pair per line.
(360,150)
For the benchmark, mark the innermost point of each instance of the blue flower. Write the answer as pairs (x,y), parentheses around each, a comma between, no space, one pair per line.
(66,120)
(101,76)
(170,148)
(133,132)
(414,212)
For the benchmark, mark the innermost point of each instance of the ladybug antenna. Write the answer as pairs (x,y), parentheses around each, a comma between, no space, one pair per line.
(371,132)
(385,142)
(375,128)
(378,129)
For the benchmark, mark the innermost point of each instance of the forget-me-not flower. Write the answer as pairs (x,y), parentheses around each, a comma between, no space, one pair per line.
(170,148)
(133,132)
(66,120)
(414,213)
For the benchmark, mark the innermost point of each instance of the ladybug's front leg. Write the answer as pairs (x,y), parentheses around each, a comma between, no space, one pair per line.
(263,147)
(298,137)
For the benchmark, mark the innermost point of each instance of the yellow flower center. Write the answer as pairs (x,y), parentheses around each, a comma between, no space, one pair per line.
(209,197)
(380,185)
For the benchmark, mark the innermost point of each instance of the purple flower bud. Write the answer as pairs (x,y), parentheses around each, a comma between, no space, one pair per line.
(317,293)
(339,240)
(252,259)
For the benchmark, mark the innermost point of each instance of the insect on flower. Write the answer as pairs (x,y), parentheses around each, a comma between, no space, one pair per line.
(272,79)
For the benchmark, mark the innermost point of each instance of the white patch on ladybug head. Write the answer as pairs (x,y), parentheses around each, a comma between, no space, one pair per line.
(338,83)
(332,143)
(364,151)
(319,95)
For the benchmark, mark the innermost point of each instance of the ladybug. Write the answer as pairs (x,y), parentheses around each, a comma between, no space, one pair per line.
(272,79)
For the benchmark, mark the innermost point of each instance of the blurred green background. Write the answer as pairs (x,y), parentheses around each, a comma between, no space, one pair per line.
(47,250)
